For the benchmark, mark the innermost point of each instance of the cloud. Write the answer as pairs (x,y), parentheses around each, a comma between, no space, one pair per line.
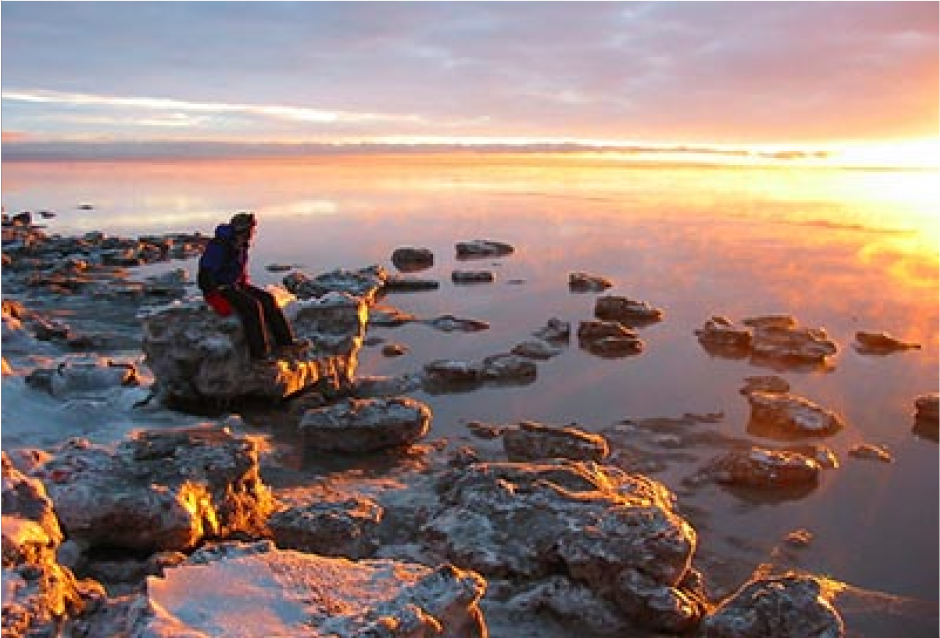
(682,72)
(274,111)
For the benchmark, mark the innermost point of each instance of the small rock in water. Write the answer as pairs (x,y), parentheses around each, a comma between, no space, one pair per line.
(881,343)
(585,282)
(799,538)
(872,452)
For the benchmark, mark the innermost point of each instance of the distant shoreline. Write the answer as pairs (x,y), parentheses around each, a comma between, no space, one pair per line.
(632,157)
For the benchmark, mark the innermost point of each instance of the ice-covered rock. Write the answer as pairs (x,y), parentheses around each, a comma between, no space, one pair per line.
(531,441)
(797,344)
(335,323)
(788,416)
(159,490)
(366,425)
(609,339)
(31,530)
(789,605)
(38,593)
(364,283)
(331,528)
(93,377)
(196,355)
(588,522)
(270,592)
(881,343)
(411,259)
(586,282)
(38,598)
(720,335)
(770,383)
(625,310)
(763,468)
(769,338)
(472,277)
(481,248)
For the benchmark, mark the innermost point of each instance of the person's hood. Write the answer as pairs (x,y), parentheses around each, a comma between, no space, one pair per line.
(225,231)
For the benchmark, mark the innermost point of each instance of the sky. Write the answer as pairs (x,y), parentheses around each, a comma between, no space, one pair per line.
(774,75)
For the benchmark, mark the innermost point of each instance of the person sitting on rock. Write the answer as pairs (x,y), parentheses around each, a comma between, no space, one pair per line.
(223,279)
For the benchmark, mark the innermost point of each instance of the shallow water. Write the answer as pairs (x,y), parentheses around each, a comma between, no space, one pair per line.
(844,250)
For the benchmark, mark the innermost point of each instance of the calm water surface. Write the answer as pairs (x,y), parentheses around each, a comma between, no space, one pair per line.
(844,250)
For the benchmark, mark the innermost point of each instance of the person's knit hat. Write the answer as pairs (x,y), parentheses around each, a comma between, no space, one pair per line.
(243,221)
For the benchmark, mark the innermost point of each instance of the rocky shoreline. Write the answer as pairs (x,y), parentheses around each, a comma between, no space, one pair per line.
(541,527)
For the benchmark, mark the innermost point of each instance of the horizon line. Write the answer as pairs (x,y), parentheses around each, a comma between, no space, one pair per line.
(31,150)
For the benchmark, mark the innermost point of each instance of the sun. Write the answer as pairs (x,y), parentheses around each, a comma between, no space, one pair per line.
(919,153)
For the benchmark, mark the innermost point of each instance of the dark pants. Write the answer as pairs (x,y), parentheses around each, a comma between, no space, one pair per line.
(257,309)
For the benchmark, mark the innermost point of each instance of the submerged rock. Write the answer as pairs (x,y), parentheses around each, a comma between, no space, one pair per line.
(532,349)
(555,331)
(448,375)
(398,283)
(472,277)
(450,323)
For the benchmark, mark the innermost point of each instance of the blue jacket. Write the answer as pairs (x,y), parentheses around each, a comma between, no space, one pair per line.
(223,263)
